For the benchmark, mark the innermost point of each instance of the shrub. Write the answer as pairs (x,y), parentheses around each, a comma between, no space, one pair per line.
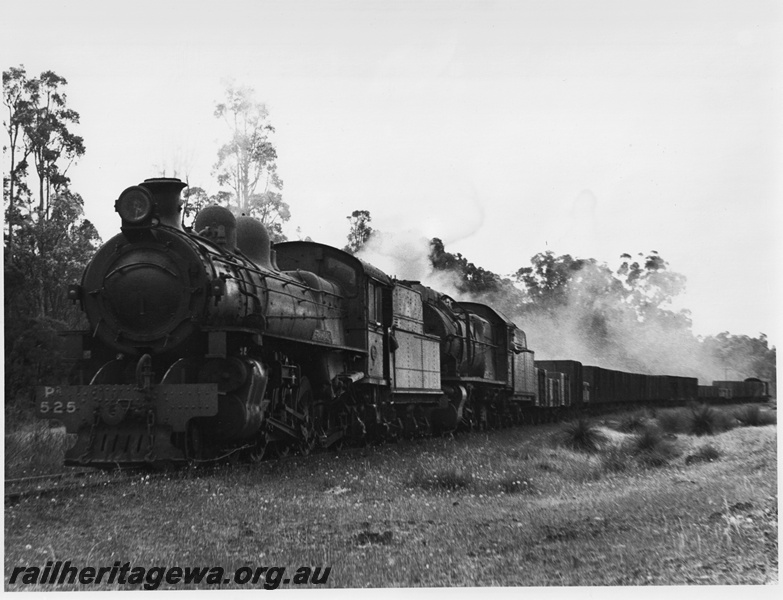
(705,420)
(580,435)
(753,416)
(33,356)
(672,420)
(651,448)
(647,440)
(632,422)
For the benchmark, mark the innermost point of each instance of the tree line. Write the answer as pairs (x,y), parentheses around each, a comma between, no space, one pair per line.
(47,240)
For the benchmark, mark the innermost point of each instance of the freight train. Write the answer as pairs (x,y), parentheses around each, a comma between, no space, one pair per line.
(206,342)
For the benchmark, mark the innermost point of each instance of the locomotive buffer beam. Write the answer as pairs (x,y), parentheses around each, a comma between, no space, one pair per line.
(174,404)
(122,423)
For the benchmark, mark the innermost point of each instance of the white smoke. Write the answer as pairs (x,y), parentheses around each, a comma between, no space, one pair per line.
(591,326)
(405,255)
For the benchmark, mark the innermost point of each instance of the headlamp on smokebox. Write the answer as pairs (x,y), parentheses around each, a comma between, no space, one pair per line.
(135,206)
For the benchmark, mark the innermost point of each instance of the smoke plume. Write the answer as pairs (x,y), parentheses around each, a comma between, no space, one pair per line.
(588,324)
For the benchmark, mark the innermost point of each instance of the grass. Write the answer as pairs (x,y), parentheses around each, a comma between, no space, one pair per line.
(706,453)
(752,416)
(632,422)
(672,420)
(450,479)
(701,419)
(651,449)
(581,435)
(499,509)
(706,420)
(35,449)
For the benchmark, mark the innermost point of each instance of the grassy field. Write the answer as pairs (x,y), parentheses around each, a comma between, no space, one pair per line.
(508,508)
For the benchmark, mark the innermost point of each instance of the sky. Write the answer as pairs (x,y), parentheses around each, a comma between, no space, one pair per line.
(588,127)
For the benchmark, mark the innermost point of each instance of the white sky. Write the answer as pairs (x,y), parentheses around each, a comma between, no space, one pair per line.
(505,128)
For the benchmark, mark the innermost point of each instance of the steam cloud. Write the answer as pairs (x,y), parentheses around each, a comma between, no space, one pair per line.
(590,326)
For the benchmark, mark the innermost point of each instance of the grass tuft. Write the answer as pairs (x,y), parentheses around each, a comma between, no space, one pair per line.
(581,435)
(705,420)
(36,449)
(752,416)
(706,453)
(672,420)
(632,422)
(651,448)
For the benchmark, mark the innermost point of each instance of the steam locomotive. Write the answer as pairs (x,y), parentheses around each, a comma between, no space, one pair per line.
(206,342)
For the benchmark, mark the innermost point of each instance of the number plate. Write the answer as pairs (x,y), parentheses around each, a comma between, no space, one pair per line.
(52,403)
(75,405)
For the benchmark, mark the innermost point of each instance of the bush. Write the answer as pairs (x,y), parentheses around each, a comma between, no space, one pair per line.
(753,416)
(580,435)
(632,422)
(651,448)
(647,440)
(672,420)
(705,420)
(33,357)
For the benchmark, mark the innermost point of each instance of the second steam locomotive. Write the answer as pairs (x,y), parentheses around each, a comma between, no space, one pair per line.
(208,342)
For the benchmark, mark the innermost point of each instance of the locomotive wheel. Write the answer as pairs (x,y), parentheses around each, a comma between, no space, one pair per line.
(259,450)
(306,447)
(282,449)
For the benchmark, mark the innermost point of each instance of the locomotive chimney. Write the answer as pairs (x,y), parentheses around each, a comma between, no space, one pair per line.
(166,193)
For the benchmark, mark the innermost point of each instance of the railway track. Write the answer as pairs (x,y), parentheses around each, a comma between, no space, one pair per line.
(56,484)
(39,486)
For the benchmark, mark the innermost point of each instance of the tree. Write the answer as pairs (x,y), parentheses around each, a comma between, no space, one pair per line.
(51,254)
(548,279)
(644,287)
(742,356)
(48,242)
(246,163)
(195,199)
(471,278)
(270,209)
(18,94)
(38,127)
(650,284)
(360,230)
(53,146)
